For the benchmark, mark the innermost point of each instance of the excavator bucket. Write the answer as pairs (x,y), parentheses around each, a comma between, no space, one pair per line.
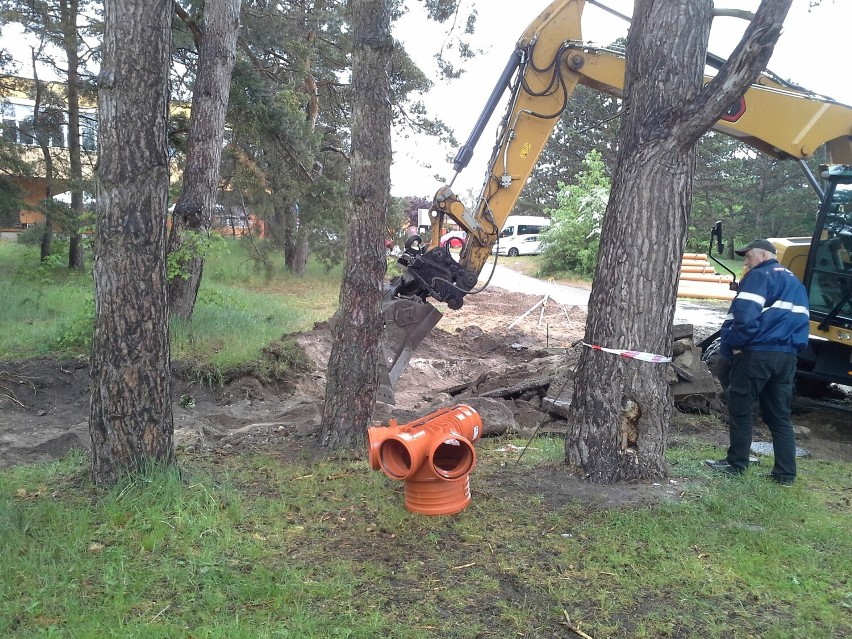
(407,322)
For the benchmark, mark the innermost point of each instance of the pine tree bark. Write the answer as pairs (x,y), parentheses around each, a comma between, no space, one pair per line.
(131,421)
(621,407)
(193,214)
(296,249)
(68,14)
(352,367)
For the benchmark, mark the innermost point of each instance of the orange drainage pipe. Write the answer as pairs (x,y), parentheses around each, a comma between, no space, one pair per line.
(433,455)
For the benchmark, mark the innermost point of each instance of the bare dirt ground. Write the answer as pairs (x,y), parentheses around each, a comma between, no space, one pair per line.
(44,403)
(475,356)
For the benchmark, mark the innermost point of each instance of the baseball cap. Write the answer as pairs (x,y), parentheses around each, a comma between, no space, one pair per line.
(766,245)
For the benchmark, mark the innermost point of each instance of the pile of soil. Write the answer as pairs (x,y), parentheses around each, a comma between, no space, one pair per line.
(498,341)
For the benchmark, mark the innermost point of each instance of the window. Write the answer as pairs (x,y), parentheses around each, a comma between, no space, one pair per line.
(831,278)
(10,130)
(528,229)
(89,130)
(26,131)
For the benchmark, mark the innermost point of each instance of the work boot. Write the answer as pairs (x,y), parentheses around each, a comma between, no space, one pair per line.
(787,482)
(722,466)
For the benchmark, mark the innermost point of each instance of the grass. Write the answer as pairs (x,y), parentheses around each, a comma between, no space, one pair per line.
(41,304)
(736,266)
(261,546)
(252,546)
(47,310)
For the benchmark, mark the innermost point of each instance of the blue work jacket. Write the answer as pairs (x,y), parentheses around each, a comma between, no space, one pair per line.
(769,313)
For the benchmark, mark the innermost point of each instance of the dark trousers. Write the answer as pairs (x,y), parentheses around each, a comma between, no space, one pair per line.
(766,376)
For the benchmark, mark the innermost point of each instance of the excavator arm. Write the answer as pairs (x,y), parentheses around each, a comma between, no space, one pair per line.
(548,62)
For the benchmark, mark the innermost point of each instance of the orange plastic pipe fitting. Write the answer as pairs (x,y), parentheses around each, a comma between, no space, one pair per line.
(433,455)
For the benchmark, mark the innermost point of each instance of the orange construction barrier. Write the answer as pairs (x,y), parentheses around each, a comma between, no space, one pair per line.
(433,455)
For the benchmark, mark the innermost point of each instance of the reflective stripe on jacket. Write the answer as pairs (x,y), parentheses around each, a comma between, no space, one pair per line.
(769,313)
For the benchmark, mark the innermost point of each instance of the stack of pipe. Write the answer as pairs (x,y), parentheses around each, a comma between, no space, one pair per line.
(699,279)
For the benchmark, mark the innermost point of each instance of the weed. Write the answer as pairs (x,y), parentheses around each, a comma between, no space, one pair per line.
(76,333)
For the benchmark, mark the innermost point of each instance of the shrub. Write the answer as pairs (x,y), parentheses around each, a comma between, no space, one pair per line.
(572,241)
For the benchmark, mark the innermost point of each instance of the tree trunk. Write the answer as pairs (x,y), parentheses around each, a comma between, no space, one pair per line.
(299,264)
(46,244)
(621,407)
(131,421)
(352,367)
(194,209)
(68,13)
(289,233)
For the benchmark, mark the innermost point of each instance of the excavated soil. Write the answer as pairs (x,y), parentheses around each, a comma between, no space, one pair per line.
(44,403)
(493,355)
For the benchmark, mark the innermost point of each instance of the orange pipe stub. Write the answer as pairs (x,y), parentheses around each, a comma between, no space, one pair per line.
(378,434)
(433,455)
(435,497)
(452,458)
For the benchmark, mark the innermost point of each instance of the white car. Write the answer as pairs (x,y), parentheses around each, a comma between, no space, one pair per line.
(453,239)
(519,245)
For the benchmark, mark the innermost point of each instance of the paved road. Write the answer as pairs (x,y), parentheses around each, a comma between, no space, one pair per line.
(706,317)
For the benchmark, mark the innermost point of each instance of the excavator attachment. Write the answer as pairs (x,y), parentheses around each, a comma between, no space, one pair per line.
(407,316)
(407,322)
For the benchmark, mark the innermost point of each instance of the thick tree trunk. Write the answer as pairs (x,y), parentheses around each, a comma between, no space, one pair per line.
(352,368)
(76,258)
(46,244)
(621,407)
(194,209)
(290,232)
(131,421)
(299,264)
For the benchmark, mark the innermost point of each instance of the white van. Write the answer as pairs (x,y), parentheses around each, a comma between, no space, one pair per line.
(520,235)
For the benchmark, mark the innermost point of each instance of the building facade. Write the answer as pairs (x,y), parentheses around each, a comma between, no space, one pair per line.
(34,135)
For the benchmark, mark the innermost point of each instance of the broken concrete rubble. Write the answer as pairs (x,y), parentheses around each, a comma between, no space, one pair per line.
(694,386)
(537,394)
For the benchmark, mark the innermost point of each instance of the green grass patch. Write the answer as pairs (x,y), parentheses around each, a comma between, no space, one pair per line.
(46,309)
(241,309)
(255,546)
(734,265)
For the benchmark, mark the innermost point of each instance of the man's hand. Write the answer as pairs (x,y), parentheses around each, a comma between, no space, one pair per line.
(723,373)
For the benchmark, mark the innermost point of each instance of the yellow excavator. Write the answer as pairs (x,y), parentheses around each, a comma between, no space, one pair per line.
(548,62)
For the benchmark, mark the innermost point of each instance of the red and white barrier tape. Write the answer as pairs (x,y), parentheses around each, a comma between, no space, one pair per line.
(645,357)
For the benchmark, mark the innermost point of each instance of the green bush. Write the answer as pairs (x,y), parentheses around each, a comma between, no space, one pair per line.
(76,333)
(572,241)
(31,236)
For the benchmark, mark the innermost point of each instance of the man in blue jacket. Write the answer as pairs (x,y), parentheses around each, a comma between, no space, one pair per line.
(766,326)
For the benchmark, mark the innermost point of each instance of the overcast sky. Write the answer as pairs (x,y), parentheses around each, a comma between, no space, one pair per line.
(812,52)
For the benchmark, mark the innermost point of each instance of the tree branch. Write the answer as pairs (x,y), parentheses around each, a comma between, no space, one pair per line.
(748,59)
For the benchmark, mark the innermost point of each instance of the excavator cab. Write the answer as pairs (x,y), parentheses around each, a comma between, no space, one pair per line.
(829,269)
(823,262)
